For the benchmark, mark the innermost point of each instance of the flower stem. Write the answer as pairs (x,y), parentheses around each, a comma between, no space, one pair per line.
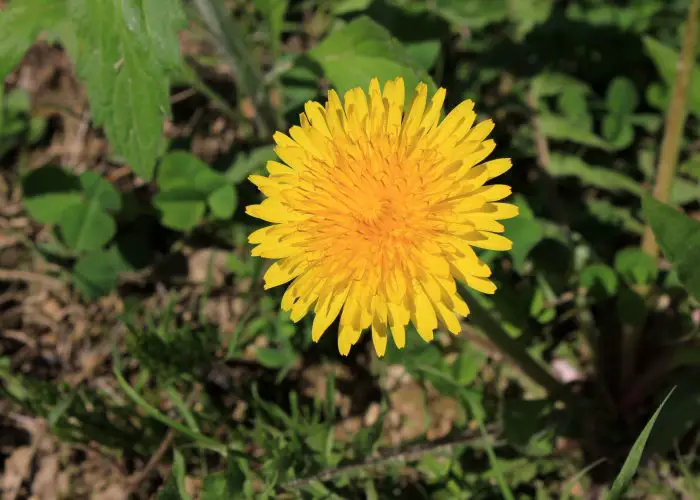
(675,122)
(513,349)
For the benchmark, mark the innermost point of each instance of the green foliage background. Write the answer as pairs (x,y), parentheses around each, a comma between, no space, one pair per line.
(557,380)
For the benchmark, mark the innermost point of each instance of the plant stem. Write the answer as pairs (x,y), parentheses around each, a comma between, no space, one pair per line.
(513,349)
(249,79)
(675,122)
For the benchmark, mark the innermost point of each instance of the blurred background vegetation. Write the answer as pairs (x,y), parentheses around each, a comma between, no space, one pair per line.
(140,356)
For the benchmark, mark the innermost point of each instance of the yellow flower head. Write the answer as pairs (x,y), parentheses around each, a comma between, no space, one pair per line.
(374,212)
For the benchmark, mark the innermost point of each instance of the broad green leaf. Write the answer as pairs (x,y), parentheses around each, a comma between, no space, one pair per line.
(600,280)
(178,170)
(163,19)
(624,478)
(684,191)
(548,84)
(621,101)
(603,178)
(20,25)
(48,191)
(361,50)
(346,6)
(618,130)
(635,266)
(100,190)
(525,233)
(678,237)
(468,365)
(572,103)
(275,358)
(127,87)
(181,208)
(273,11)
(86,226)
(94,274)
(471,14)
(222,201)
(424,53)
(691,167)
(622,98)
(561,128)
(666,60)
(526,14)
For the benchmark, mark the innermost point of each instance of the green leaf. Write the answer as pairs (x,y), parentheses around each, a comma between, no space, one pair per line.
(600,280)
(48,191)
(20,26)
(691,167)
(471,14)
(608,213)
(222,201)
(346,6)
(468,365)
(603,178)
(622,98)
(178,170)
(86,226)
(624,478)
(101,191)
(525,231)
(163,19)
(361,50)
(275,358)
(127,87)
(561,128)
(181,208)
(618,130)
(179,474)
(635,266)
(684,191)
(423,53)
(678,237)
(95,275)
(572,103)
(548,84)
(526,14)
(666,60)
(230,483)
(273,11)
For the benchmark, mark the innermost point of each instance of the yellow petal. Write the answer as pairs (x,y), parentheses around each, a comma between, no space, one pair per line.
(379,337)
(489,241)
(425,318)
(481,285)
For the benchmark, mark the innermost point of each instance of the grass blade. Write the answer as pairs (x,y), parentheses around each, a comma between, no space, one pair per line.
(623,479)
(495,466)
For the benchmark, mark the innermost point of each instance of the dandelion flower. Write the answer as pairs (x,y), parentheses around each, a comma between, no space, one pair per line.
(375,212)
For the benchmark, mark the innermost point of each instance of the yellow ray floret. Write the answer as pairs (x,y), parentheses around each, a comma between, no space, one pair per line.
(376,211)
